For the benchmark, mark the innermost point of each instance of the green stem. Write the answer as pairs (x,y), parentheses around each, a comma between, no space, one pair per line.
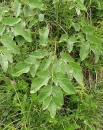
(56,15)
(53,58)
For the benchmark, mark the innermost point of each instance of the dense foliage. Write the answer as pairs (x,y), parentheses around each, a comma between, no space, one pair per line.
(51,65)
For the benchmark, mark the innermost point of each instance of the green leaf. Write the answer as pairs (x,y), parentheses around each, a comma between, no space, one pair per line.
(2,28)
(88,29)
(76,26)
(1,12)
(81,36)
(57,102)
(55,1)
(39,54)
(67,86)
(57,65)
(60,75)
(43,74)
(11,21)
(41,17)
(57,92)
(64,38)
(33,69)
(31,60)
(17,8)
(35,4)
(78,11)
(78,76)
(20,68)
(38,83)
(46,102)
(52,108)
(97,52)
(45,92)
(93,39)
(80,5)
(45,64)
(18,29)
(10,44)
(43,33)
(84,50)
(28,11)
(7,53)
(75,66)
(20,40)
(66,57)
(70,42)
(69,71)
(3,62)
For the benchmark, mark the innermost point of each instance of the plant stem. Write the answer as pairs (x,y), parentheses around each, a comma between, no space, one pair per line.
(53,60)
(56,15)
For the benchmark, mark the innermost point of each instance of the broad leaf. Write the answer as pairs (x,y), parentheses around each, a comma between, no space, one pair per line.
(92,39)
(10,21)
(76,26)
(10,44)
(20,68)
(45,92)
(57,102)
(43,33)
(75,66)
(9,55)
(57,92)
(41,17)
(78,76)
(17,8)
(28,11)
(20,40)
(43,74)
(31,60)
(67,86)
(81,37)
(39,54)
(88,29)
(3,62)
(84,50)
(35,4)
(70,42)
(18,29)
(60,75)
(1,12)
(46,102)
(78,11)
(57,65)
(37,83)
(64,68)
(66,57)
(33,69)
(97,52)
(80,5)
(64,38)
(45,64)
(55,1)
(52,109)
(2,28)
